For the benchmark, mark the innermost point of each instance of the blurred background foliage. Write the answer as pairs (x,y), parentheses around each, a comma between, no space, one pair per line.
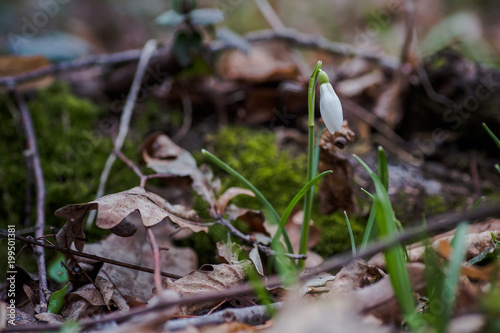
(112,25)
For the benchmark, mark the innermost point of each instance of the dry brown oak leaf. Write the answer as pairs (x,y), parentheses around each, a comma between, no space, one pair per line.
(113,210)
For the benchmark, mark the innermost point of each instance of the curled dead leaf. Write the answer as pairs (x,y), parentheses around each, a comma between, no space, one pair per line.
(113,210)
(162,155)
(228,195)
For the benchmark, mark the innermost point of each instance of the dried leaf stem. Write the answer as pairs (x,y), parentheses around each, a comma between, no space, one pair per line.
(156,259)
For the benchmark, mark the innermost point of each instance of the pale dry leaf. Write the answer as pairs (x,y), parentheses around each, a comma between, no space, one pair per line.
(88,293)
(228,195)
(228,251)
(208,279)
(50,318)
(254,256)
(162,155)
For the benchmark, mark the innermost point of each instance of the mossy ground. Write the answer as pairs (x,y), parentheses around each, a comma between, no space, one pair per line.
(74,141)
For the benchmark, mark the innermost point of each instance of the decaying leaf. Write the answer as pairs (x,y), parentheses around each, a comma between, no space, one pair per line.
(229,251)
(228,195)
(137,250)
(254,219)
(354,276)
(162,155)
(113,210)
(208,279)
(336,189)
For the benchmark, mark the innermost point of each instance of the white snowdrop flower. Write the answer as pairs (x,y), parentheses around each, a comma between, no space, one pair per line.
(329,105)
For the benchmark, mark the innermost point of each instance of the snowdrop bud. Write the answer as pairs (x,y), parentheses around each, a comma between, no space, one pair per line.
(329,105)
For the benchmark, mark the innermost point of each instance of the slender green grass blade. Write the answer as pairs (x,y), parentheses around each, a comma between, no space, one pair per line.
(351,235)
(492,135)
(450,285)
(477,203)
(369,194)
(272,215)
(394,257)
(382,170)
(434,279)
(371,228)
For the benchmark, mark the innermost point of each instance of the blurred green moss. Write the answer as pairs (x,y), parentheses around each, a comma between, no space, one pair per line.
(74,141)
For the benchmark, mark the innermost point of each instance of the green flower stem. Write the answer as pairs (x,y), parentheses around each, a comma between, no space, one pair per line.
(308,200)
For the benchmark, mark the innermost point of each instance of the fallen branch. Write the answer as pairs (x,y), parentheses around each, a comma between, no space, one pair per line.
(251,315)
(3,234)
(77,64)
(317,43)
(288,35)
(33,154)
(433,225)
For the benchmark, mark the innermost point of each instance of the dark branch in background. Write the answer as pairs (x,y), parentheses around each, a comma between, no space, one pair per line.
(78,64)
(3,234)
(433,226)
(249,239)
(288,36)
(318,43)
(34,156)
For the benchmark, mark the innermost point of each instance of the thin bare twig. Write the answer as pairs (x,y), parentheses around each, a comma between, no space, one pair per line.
(433,225)
(3,234)
(147,53)
(251,315)
(156,259)
(29,185)
(33,154)
(251,240)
